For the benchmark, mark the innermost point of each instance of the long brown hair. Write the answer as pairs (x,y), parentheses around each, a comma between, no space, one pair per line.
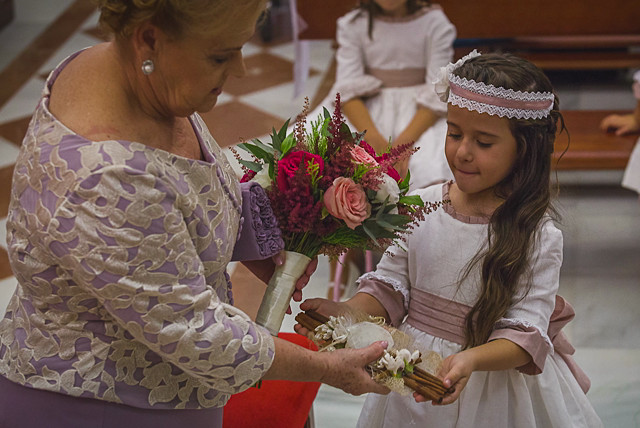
(372,9)
(526,191)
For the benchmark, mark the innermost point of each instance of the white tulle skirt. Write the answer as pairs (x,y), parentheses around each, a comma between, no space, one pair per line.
(500,399)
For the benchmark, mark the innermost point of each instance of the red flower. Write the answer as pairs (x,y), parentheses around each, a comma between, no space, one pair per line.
(368,148)
(248,176)
(289,165)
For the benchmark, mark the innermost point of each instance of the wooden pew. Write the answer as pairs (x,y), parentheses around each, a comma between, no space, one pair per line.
(589,147)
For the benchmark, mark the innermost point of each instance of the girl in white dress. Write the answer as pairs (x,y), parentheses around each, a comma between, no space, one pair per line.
(388,54)
(478,281)
(628,124)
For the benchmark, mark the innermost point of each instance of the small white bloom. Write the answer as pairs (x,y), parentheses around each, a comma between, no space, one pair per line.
(388,187)
(262,178)
(404,355)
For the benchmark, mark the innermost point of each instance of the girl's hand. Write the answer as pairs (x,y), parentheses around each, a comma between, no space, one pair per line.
(621,124)
(455,372)
(325,307)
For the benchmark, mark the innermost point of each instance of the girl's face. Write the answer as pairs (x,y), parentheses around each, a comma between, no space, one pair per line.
(393,7)
(480,150)
(190,72)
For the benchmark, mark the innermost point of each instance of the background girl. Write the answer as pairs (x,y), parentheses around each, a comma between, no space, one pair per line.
(478,281)
(627,124)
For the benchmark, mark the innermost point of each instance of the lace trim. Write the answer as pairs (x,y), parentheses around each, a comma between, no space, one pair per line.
(263,221)
(486,98)
(395,284)
(498,101)
(517,322)
(449,209)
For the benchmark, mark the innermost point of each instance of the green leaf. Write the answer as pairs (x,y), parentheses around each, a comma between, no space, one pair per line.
(388,226)
(272,171)
(369,232)
(253,166)
(258,152)
(412,200)
(404,184)
(396,219)
(326,113)
(288,143)
(283,131)
(267,148)
(276,141)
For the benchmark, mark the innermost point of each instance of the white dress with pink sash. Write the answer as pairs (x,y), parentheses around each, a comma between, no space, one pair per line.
(419,288)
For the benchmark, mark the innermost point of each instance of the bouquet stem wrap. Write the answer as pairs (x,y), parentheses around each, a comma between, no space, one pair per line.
(279,291)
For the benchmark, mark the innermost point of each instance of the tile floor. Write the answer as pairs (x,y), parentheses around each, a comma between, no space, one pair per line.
(601,273)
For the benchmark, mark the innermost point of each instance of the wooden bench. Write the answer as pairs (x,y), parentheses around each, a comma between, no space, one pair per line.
(589,147)
(585,34)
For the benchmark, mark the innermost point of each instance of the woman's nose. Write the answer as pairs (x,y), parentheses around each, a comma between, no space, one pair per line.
(238,68)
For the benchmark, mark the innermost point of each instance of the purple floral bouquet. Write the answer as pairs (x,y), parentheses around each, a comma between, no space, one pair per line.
(330,192)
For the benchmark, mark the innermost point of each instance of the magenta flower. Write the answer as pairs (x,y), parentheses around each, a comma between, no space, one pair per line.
(289,165)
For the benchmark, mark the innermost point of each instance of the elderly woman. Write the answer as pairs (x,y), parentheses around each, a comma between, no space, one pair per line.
(124,215)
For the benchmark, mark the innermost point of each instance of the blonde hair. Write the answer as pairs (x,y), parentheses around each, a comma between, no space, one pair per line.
(176,17)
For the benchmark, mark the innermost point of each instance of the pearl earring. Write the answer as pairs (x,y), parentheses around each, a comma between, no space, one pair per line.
(147,66)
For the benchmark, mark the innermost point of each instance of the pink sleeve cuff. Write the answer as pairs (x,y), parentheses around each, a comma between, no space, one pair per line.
(391,299)
(529,339)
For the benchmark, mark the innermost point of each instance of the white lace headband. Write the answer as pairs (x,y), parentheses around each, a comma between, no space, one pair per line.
(483,98)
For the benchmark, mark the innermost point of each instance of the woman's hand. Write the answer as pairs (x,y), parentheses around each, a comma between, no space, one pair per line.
(346,369)
(455,372)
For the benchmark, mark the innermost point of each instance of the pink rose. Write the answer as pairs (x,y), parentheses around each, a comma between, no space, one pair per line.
(360,155)
(289,165)
(347,201)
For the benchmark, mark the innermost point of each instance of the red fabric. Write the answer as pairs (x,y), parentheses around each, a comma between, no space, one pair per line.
(277,403)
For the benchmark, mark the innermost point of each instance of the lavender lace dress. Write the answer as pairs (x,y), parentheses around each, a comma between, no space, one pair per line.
(123,311)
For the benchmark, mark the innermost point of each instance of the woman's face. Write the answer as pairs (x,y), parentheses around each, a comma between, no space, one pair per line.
(480,150)
(190,72)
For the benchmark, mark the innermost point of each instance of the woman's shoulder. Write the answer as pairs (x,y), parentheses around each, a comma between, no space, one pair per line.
(84,96)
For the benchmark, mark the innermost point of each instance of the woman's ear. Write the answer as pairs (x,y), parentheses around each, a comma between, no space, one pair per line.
(145,39)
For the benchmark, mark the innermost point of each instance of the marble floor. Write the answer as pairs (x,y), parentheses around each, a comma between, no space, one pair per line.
(601,220)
